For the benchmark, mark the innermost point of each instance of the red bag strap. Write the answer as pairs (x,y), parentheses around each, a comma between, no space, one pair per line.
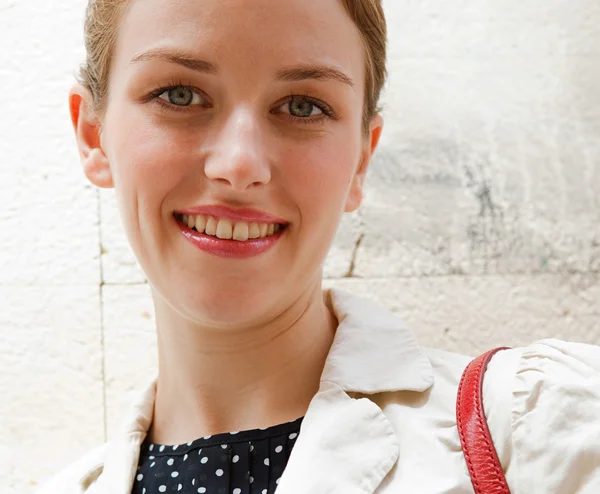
(477,444)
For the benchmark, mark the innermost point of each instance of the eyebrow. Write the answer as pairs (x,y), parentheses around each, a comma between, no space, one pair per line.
(177,57)
(289,74)
(317,72)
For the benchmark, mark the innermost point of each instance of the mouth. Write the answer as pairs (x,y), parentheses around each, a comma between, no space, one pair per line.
(227,229)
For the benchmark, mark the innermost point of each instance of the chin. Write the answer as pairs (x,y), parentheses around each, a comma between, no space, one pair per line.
(222,305)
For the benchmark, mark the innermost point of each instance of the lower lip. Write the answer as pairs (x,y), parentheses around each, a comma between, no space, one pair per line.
(229,248)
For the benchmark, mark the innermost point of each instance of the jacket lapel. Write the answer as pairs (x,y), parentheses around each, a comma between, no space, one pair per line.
(345,446)
(348,445)
(122,452)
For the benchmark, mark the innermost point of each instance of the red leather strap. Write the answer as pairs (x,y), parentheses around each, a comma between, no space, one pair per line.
(477,444)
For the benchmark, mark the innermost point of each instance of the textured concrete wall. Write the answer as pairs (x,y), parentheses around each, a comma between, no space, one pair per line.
(480,225)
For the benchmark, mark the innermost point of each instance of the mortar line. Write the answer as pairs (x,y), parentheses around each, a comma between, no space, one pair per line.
(102,329)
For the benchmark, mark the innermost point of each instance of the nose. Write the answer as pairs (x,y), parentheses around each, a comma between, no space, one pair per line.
(239,158)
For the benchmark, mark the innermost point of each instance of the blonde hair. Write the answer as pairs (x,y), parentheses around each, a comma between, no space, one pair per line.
(102,24)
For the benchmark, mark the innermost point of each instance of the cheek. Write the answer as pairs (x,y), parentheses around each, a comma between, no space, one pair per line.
(320,175)
(150,161)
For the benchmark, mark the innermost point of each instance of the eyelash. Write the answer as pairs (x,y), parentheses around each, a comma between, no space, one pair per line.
(327,111)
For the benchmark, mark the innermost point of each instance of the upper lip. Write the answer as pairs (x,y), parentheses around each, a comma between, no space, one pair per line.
(246,215)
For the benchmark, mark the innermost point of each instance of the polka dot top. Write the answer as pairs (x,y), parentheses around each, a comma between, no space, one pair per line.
(248,462)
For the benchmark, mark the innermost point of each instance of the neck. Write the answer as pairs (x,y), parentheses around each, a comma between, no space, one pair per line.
(213,381)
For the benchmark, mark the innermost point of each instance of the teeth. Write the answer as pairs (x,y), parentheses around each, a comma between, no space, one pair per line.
(226,229)
(254,231)
(201,223)
(211,226)
(241,232)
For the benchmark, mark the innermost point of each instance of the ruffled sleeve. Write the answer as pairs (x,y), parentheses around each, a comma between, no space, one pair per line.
(543,409)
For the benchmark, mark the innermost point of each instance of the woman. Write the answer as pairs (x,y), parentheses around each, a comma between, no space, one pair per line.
(236,133)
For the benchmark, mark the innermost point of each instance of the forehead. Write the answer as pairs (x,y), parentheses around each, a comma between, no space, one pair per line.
(257,34)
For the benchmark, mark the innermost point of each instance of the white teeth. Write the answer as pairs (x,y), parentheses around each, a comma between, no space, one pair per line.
(241,232)
(211,226)
(190,221)
(254,231)
(271,229)
(201,223)
(264,229)
(225,229)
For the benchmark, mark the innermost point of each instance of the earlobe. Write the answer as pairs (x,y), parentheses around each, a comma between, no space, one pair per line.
(355,194)
(87,132)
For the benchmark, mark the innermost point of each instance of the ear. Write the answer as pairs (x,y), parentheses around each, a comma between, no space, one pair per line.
(355,194)
(87,131)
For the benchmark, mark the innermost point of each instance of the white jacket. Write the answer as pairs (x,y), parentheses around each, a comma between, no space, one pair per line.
(384,421)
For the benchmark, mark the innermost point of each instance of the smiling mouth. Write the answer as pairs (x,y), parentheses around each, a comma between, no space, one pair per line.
(226,229)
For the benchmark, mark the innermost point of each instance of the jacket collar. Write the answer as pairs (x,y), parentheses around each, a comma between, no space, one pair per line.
(373,351)
(346,445)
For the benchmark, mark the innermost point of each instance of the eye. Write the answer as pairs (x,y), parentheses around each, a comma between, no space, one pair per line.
(182,96)
(302,107)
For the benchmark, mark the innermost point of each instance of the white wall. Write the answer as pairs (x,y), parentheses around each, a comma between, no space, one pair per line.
(480,225)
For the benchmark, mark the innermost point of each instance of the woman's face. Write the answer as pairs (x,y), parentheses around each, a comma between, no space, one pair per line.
(246,104)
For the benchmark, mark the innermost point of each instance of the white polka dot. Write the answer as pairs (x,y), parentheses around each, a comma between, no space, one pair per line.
(193,481)
(170,461)
(185,457)
(219,472)
(277,481)
(234,433)
(264,491)
(202,489)
(251,479)
(267,461)
(140,477)
(207,437)
(235,459)
(190,443)
(251,448)
(175,447)
(204,459)
(224,446)
(144,490)
(293,435)
(152,464)
(151,447)
(161,449)
(278,449)
(152,457)
(175,474)
(179,487)
(200,451)
(237,491)
(162,488)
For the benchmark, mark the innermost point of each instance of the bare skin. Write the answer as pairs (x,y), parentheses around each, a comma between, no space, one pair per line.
(242,342)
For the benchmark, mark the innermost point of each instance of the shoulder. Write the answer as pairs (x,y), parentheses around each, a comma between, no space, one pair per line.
(448,367)
(78,477)
(543,402)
